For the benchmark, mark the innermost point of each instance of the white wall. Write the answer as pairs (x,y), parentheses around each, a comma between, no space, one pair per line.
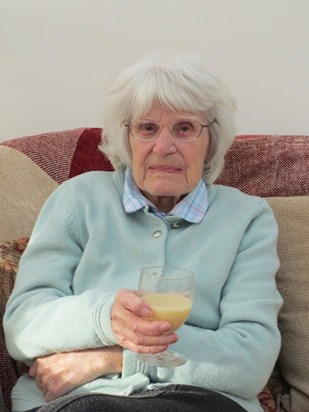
(58,57)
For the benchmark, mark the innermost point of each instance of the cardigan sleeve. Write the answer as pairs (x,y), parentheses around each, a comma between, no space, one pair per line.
(43,315)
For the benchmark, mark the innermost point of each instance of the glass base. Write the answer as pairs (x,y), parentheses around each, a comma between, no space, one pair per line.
(165,359)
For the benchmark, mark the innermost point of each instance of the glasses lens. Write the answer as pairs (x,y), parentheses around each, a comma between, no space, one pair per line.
(186,130)
(144,130)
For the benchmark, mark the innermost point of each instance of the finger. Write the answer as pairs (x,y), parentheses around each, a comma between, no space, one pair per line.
(52,393)
(133,328)
(125,319)
(143,343)
(144,349)
(33,370)
(149,328)
(55,387)
(130,301)
(135,332)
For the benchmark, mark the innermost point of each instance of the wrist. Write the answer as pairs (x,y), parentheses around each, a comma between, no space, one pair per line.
(116,359)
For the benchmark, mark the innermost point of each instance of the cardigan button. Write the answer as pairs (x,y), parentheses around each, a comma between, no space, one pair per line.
(157,233)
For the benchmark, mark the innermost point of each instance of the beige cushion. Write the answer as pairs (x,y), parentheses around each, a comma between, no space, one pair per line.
(24,186)
(292,215)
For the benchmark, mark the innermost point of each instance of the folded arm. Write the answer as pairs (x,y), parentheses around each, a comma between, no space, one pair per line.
(59,373)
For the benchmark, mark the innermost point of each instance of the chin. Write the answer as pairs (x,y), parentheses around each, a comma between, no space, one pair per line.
(169,193)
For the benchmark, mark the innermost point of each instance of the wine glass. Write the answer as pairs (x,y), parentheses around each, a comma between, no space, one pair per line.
(169,291)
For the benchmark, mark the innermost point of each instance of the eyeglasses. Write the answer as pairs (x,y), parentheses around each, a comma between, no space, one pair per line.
(183,130)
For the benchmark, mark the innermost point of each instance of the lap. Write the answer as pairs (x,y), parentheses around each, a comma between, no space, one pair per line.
(180,398)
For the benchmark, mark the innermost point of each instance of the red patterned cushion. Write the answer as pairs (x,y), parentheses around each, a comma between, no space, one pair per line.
(87,156)
(10,253)
(52,151)
(267,400)
(268,165)
(64,154)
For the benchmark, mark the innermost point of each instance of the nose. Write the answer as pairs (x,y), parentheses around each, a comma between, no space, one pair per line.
(164,143)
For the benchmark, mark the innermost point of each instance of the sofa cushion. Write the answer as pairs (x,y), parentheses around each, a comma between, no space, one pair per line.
(64,154)
(23,189)
(268,165)
(32,167)
(292,215)
(267,400)
(10,253)
(87,156)
(52,152)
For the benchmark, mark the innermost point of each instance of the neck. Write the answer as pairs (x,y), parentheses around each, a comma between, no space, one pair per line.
(164,204)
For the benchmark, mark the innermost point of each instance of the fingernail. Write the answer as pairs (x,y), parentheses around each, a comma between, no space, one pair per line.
(146,313)
(174,338)
(164,327)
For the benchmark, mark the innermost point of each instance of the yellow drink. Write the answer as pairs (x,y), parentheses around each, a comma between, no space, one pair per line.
(172,307)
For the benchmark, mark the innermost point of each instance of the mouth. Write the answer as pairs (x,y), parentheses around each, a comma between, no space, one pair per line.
(165,169)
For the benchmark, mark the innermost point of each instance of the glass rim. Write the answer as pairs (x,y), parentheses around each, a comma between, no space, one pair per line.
(188,274)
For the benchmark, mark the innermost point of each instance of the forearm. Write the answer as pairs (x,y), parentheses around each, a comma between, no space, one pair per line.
(236,361)
(60,373)
(44,323)
(44,314)
(230,361)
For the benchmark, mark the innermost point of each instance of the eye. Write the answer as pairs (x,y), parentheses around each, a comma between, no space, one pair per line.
(146,128)
(185,129)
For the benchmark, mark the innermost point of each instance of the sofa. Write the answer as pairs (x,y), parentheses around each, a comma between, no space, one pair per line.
(275,167)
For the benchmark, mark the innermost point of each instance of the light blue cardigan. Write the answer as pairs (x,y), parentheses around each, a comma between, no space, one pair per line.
(84,247)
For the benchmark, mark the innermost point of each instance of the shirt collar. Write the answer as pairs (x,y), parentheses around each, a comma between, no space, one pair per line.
(192,207)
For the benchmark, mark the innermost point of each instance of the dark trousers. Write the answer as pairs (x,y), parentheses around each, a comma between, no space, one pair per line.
(173,398)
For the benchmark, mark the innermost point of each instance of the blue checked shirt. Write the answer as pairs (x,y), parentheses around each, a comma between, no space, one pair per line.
(192,207)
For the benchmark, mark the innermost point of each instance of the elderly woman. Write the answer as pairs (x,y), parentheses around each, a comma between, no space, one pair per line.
(75,317)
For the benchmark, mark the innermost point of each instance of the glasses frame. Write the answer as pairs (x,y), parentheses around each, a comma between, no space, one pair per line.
(170,129)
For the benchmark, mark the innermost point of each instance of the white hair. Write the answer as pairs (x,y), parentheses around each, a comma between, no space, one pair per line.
(178,83)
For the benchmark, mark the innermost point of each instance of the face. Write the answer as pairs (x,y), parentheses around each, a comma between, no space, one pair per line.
(166,169)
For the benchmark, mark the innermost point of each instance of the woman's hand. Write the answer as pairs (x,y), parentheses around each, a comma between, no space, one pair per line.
(133,327)
(59,373)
